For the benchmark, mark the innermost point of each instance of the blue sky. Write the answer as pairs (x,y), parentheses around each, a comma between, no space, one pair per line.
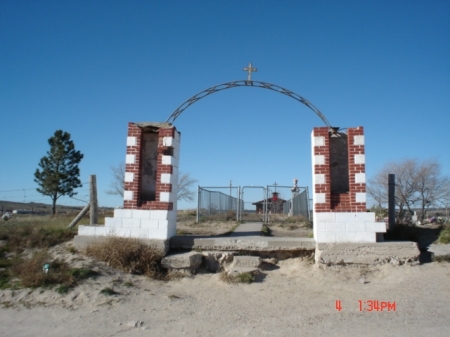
(90,67)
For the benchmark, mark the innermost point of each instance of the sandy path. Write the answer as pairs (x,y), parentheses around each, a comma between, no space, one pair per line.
(297,299)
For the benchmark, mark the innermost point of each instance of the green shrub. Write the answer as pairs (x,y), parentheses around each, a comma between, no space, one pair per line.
(444,236)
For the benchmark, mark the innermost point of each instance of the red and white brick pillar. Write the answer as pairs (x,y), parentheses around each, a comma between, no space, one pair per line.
(339,188)
(151,181)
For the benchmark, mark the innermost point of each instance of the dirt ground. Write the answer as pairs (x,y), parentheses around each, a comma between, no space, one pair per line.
(294,298)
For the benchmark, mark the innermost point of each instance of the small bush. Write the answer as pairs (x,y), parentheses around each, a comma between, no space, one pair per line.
(444,236)
(266,231)
(130,255)
(239,278)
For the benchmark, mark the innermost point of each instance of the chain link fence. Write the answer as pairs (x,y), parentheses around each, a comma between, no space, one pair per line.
(218,203)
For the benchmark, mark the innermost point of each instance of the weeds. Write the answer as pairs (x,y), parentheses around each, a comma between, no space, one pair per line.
(265,230)
(129,255)
(246,277)
(444,236)
(441,258)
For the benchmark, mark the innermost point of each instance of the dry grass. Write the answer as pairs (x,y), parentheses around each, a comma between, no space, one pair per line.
(129,255)
(239,278)
(444,236)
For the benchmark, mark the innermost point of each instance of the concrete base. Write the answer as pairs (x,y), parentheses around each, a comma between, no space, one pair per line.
(81,242)
(366,253)
(184,262)
(249,243)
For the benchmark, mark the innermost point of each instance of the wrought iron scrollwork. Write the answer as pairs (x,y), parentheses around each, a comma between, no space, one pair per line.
(243,83)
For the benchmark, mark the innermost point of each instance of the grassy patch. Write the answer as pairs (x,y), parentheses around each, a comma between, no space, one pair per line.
(239,278)
(444,236)
(108,291)
(265,230)
(129,255)
(311,235)
(442,258)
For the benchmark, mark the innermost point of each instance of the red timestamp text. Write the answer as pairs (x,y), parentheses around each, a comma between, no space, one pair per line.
(371,305)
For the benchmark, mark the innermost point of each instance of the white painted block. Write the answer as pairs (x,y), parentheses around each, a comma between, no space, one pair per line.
(336,226)
(140,233)
(129,177)
(325,237)
(377,227)
(360,178)
(122,213)
(360,197)
(358,140)
(86,230)
(131,141)
(167,160)
(159,215)
(325,217)
(319,141)
(166,178)
(141,214)
(355,227)
(104,231)
(365,216)
(360,158)
(319,159)
(346,216)
(158,234)
(149,223)
(167,141)
(320,198)
(164,196)
(171,231)
(127,195)
(130,159)
(319,179)
(345,237)
(172,216)
(366,237)
(122,232)
(131,223)
(320,226)
(113,222)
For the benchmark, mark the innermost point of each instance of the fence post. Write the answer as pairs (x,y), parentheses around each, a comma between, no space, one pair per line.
(93,200)
(198,202)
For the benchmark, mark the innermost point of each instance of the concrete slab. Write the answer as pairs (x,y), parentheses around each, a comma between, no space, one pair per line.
(439,250)
(367,253)
(248,229)
(185,261)
(244,243)
(246,261)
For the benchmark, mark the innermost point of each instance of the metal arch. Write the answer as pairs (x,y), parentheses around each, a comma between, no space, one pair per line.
(244,83)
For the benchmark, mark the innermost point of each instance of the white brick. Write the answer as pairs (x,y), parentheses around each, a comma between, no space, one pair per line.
(158,234)
(360,197)
(86,230)
(131,141)
(358,140)
(345,237)
(320,198)
(130,159)
(325,237)
(365,216)
(319,179)
(104,231)
(167,141)
(346,217)
(167,160)
(129,177)
(164,196)
(122,232)
(360,178)
(319,159)
(131,223)
(355,227)
(336,226)
(366,237)
(165,178)
(325,216)
(159,215)
(320,226)
(141,233)
(149,223)
(141,214)
(122,213)
(319,141)
(127,195)
(360,158)
(163,224)
(377,227)
(113,222)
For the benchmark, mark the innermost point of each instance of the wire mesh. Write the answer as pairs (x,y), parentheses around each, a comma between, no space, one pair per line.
(220,204)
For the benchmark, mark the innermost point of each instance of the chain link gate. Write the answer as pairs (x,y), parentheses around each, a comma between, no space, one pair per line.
(218,203)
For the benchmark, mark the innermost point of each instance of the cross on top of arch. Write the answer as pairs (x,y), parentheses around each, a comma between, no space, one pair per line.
(249,71)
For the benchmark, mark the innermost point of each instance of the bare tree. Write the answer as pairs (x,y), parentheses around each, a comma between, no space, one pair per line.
(184,191)
(419,184)
(185,182)
(117,184)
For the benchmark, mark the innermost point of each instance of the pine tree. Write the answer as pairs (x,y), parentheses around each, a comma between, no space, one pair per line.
(60,173)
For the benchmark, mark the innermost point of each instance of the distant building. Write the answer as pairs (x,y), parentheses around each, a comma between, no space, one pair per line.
(274,204)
